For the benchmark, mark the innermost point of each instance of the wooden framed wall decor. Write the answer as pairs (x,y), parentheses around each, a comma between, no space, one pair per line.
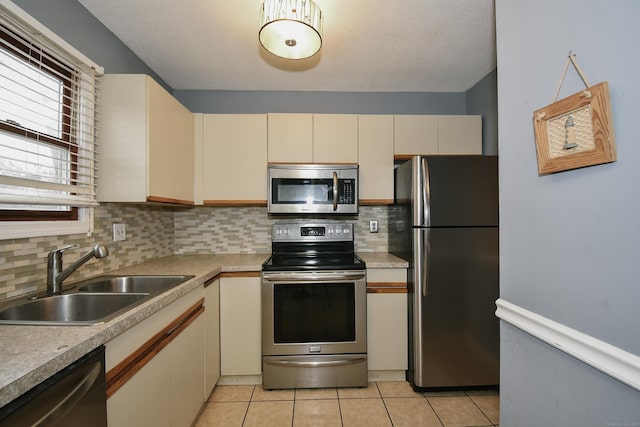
(576,131)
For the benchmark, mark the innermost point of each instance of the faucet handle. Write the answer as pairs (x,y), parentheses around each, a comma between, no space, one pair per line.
(61,250)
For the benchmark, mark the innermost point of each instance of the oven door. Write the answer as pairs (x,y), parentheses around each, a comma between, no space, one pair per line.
(314,313)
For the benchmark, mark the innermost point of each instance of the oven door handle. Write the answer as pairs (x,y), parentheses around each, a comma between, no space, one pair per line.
(314,277)
(315,363)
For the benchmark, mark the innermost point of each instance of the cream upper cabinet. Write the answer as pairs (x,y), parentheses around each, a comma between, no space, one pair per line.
(312,138)
(335,138)
(425,134)
(375,158)
(415,135)
(234,159)
(146,142)
(459,134)
(290,138)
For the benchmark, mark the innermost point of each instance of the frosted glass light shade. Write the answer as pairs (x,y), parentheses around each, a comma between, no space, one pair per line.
(291,29)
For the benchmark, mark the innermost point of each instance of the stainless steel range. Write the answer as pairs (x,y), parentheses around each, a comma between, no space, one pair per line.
(314,316)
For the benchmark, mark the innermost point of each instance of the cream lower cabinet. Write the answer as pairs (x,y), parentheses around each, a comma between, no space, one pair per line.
(211,335)
(234,159)
(387,338)
(375,159)
(240,326)
(155,370)
(146,143)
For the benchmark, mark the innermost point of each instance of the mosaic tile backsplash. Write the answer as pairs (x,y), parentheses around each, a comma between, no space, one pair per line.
(247,230)
(154,232)
(149,231)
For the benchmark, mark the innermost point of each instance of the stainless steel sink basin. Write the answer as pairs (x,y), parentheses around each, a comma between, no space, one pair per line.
(70,309)
(127,284)
(89,302)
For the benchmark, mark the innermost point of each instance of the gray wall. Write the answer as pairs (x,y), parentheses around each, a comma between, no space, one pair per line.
(71,21)
(251,102)
(482,99)
(569,241)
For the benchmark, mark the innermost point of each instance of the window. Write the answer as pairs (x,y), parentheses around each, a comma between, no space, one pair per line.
(47,141)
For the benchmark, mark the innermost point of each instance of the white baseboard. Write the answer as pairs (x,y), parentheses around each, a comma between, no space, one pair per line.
(611,360)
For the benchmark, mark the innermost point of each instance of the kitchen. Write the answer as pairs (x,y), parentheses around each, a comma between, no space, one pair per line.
(154,231)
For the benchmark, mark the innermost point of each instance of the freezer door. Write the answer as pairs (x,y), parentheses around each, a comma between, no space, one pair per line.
(454,336)
(449,191)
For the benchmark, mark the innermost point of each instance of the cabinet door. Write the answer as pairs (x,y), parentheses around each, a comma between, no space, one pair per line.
(240,326)
(460,134)
(171,142)
(122,157)
(211,336)
(335,138)
(415,135)
(235,159)
(146,143)
(375,159)
(187,371)
(290,138)
(145,400)
(387,331)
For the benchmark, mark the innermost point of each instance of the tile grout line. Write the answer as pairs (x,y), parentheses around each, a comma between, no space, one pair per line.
(477,406)
(424,395)
(246,412)
(385,404)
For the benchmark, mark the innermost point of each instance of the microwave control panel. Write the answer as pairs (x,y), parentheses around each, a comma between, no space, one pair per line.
(346,193)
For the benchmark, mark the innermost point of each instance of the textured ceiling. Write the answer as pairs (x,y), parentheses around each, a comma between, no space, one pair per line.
(368,46)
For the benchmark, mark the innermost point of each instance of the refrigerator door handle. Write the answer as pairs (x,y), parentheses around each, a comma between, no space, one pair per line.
(422,252)
(425,264)
(424,208)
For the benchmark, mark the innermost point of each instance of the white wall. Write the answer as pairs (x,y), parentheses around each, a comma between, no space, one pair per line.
(570,242)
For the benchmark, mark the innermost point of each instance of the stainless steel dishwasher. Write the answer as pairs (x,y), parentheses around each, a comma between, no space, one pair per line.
(75,396)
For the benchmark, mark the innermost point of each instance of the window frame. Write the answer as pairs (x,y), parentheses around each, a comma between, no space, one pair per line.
(20,47)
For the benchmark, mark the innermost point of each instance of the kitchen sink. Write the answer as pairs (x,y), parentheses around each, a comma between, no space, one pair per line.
(70,309)
(89,302)
(128,284)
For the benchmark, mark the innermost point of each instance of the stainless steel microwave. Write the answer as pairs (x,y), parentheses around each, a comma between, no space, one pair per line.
(312,189)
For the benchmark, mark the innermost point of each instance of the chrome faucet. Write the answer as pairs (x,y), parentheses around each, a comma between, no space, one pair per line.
(55,273)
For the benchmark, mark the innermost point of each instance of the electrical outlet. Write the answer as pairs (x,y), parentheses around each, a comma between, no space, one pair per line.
(373,226)
(119,232)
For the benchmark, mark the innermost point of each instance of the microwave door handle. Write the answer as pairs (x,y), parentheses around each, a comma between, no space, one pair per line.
(335,191)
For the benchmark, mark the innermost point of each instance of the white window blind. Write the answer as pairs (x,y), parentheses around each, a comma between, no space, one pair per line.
(47,121)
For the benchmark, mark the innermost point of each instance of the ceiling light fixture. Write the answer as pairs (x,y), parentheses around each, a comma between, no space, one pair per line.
(291,29)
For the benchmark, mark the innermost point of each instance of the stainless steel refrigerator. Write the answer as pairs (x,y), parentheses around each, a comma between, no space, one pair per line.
(444,222)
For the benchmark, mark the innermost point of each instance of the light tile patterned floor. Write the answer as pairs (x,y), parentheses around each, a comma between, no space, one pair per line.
(380,404)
